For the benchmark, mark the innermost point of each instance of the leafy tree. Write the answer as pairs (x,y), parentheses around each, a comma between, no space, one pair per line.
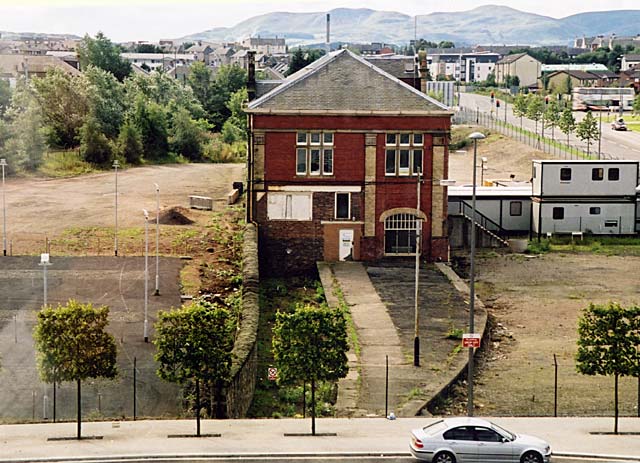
(587,130)
(515,81)
(567,122)
(491,79)
(94,145)
(72,345)
(235,128)
(151,121)
(23,136)
(519,107)
(229,80)
(194,344)
(201,82)
(5,96)
(636,105)
(64,107)
(100,52)
(129,143)
(164,90)
(552,116)
(310,345)
(147,48)
(187,138)
(301,58)
(105,100)
(535,108)
(446,44)
(608,339)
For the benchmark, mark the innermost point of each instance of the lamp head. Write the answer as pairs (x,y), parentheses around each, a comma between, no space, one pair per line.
(3,162)
(146,213)
(477,136)
(116,163)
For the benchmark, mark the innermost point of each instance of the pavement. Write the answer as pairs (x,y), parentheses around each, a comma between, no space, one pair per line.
(266,438)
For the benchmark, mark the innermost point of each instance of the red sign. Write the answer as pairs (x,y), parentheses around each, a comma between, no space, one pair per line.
(272,374)
(471,340)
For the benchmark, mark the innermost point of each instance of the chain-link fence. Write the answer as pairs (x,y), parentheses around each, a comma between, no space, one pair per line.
(547,143)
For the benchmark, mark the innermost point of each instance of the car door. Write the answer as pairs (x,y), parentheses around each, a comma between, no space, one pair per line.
(492,447)
(462,442)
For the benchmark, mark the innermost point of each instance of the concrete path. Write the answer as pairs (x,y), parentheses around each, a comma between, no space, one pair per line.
(377,338)
(243,438)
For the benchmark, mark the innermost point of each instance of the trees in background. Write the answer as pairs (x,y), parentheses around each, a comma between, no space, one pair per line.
(102,53)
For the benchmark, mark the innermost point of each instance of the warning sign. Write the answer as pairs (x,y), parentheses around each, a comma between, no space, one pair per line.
(272,374)
(471,340)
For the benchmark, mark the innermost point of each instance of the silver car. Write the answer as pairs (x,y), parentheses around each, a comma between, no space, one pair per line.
(462,440)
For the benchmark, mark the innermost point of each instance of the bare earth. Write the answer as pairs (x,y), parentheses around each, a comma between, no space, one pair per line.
(39,208)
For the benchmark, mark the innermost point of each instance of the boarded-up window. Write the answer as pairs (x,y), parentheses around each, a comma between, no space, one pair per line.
(289,206)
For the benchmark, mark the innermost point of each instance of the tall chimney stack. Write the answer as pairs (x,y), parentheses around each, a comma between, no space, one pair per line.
(328,44)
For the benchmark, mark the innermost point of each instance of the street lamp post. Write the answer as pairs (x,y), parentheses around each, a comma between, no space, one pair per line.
(44,262)
(475,136)
(116,164)
(3,163)
(146,274)
(157,291)
(416,338)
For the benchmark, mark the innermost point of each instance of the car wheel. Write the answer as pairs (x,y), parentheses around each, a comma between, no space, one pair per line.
(531,457)
(444,457)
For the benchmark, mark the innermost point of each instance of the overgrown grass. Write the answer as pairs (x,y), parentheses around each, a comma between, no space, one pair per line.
(61,164)
(460,137)
(606,245)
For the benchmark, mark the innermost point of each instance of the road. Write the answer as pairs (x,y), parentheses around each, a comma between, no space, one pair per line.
(621,145)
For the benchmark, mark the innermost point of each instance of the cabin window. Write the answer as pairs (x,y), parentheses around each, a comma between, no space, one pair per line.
(515,208)
(565,174)
(610,223)
(314,153)
(343,206)
(594,211)
(597,174)
(613,174)
(558,213)
(403,154)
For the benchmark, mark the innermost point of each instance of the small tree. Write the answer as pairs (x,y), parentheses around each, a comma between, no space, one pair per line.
(587,130)
(310,344)
(72,345)
(130,143)
(520,107)
(552,116)
(636,105)
(94,145)
(535,108)
(194,344)
(608,339)
(567,122)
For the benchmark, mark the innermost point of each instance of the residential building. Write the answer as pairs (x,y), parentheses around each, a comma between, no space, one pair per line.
(630,78)
(522,65)
(601,41)
(629,61)
(460,65)
(267,46)
(334,156)
(557,80)
(202,52)
(12,67)
(155,61)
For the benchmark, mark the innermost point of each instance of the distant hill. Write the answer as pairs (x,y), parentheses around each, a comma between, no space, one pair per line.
(487,25)
(36,36)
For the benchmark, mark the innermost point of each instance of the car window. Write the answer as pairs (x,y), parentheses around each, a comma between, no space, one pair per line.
(503,431)
(434,428)
(459,433)
(487,435)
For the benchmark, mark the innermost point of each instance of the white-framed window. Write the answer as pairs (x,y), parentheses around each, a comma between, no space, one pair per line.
(314,153)
(343,206)
(403,154)
(289,206)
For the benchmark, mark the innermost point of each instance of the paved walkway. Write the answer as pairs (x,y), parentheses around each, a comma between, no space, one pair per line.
(380,298)
(373,436)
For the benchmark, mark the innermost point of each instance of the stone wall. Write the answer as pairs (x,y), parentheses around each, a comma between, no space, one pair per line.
(239,393)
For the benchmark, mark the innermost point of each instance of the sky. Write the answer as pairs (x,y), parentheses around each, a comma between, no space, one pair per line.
(151,20)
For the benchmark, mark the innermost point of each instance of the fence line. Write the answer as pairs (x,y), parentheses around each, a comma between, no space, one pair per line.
(553,146)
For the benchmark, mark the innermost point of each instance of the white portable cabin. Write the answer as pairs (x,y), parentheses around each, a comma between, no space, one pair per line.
(507,209)
(597,197)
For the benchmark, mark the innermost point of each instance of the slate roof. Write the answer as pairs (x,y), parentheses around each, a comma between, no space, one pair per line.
(16,65)
(511,58)
(344,82)
(402,67)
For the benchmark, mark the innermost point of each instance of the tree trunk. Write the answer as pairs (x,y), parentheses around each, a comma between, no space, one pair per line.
(615,404)
(197,408)
(313,406)
(79,408)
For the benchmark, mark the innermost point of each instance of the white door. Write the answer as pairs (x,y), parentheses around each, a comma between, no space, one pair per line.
(346,244)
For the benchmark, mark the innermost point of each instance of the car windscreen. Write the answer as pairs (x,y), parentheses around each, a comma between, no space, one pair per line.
(434,428)
(503,431)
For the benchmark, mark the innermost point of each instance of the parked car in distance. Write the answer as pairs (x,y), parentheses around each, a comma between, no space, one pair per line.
(463,440)
(618,124)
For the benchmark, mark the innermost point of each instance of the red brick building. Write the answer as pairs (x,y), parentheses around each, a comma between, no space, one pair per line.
(334,156)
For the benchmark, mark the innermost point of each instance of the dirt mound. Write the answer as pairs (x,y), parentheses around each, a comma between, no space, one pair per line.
(174,216)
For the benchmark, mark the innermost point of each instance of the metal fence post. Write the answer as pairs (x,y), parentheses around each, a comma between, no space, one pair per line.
(555,386)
